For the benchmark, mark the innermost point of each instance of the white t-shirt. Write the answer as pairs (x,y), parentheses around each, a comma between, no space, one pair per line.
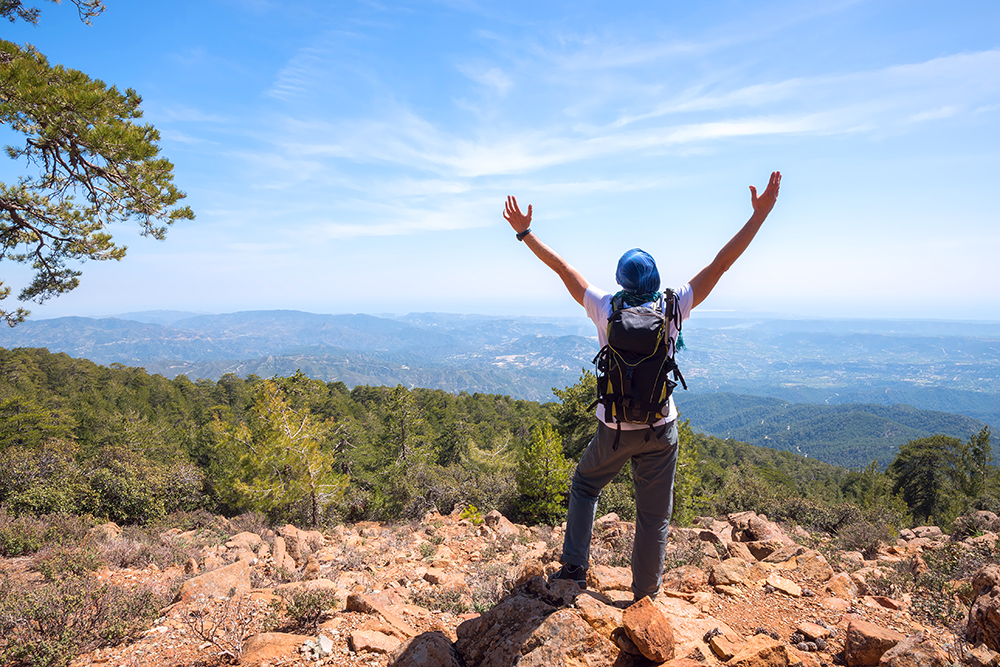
(598,305)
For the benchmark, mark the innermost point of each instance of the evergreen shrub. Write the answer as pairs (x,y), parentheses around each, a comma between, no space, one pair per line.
(50,625)
(25,535)
(865,536)
(58,562)
(306,608)
(619,496)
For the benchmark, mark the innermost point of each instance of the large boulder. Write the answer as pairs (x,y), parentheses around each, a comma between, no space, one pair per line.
(225,582)
(751,527)
(730,572)
(500,524)
(604,618)
(984,616)
(299,544)
(915,651)
(532,626)
(565,639)
(429,649)
(495,638)
(866,642)
(650,630)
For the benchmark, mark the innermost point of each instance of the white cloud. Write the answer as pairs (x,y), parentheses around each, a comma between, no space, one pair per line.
(493,78)
(935,114)
(300,74)
(822,105)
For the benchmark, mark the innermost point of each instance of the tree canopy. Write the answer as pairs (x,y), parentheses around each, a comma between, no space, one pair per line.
(89,164)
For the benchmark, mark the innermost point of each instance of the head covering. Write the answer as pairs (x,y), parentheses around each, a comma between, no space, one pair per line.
(637,273)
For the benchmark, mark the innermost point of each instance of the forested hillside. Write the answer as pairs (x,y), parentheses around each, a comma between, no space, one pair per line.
(120,443)
(846,435)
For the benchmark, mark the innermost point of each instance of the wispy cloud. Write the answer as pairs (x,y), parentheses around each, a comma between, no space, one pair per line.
(493,78)
(300,74)
(368,218)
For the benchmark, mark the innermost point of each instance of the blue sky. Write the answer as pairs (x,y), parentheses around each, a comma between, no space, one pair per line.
(354,156)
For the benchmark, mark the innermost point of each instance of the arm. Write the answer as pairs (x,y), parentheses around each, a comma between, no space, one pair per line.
(706,280)
(575,283)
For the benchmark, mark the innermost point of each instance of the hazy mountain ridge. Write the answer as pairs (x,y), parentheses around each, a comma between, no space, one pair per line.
(943,366)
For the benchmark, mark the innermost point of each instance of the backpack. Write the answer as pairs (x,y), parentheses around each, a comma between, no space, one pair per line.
(632,369)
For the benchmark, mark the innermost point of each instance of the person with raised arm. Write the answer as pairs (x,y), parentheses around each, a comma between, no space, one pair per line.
(653,459)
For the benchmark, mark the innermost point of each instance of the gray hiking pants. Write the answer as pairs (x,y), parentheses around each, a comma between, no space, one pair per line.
(654,465)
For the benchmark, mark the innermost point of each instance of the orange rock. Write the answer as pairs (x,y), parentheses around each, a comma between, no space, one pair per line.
(652,633)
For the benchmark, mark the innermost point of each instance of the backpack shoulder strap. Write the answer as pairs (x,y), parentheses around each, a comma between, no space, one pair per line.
(672,308)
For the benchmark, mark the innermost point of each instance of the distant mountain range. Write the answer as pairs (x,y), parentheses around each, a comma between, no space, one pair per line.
(945,367)
(523,357)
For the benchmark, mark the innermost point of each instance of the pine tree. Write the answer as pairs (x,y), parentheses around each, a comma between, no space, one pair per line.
(688,502)
(574,416)
(543,477)
(96,166)
(275,459)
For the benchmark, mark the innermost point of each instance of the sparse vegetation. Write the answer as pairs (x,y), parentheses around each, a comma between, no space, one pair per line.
(491,582)
(450,600)
(48,626)
(306,608)
(228,623)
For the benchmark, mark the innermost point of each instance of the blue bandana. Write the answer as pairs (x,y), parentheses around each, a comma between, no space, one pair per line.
(638,275)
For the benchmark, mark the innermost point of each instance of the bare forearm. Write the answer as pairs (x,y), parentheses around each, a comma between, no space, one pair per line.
(572,279)
(706,280)
(739,243)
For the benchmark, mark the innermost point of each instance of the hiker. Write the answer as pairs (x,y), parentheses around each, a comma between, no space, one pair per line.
(651,449)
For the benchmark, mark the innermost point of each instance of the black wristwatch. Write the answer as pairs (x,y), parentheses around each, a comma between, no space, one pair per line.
(521,235)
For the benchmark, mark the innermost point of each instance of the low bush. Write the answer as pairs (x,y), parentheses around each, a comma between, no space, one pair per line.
(865,536)
(137,549)
(450,600)
(619,496)
(688,552)
(491,582)
(306,608)
(50,625)
(25,535)
(58,562)
(227,624)
(251,522)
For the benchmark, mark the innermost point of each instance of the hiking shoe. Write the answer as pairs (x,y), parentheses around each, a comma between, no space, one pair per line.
(571,573)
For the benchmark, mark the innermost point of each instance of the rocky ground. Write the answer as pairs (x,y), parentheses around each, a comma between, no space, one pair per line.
(472,591)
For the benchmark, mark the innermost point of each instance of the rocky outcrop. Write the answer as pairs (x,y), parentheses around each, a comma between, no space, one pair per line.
(915,651)
(431,649)
(650,630)
(226,582)
(867,642)
(403,596)
(529,628)
(984,617)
